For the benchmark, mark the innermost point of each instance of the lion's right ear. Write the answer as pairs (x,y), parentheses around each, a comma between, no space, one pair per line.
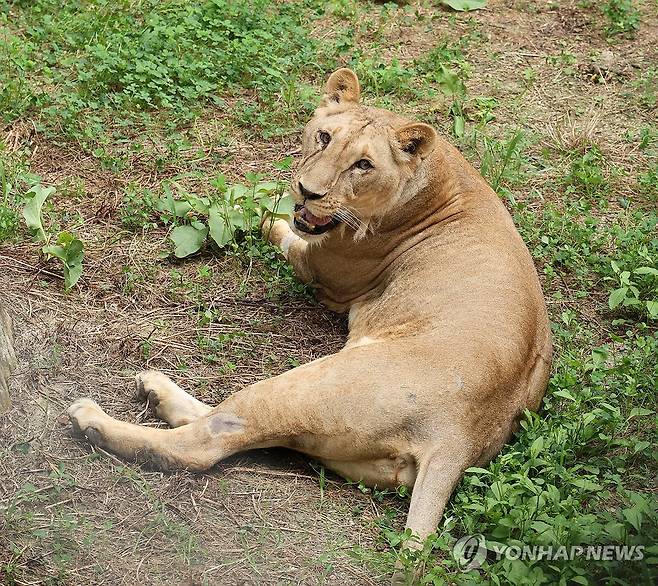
(342,86)
(417,139)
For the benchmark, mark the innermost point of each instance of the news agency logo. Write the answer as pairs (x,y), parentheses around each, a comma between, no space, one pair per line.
(471,551)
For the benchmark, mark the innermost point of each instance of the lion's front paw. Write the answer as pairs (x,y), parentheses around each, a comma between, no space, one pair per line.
(276,231)
(87,419)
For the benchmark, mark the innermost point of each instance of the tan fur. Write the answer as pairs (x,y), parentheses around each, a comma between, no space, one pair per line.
(449,340)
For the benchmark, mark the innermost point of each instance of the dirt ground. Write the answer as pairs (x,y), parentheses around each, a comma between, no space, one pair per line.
(270,517)
(244,522)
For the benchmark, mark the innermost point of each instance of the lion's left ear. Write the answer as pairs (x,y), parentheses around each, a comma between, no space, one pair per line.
(417,139)
(342,86)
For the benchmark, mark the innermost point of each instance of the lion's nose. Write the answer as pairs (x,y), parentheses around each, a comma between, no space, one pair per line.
(306,194)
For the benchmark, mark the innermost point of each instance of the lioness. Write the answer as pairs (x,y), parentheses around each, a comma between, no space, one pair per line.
(449,338)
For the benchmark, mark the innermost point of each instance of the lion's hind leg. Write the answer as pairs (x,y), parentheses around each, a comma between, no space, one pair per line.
(195,446)
(167,400)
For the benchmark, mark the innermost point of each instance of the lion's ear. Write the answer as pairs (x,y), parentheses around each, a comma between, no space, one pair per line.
(417,139)
(342,86)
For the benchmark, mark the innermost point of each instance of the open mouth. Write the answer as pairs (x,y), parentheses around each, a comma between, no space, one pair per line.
(311,224)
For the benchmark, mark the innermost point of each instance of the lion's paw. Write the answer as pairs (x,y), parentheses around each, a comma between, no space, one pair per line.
(154,387)
(87,418)
(276,232)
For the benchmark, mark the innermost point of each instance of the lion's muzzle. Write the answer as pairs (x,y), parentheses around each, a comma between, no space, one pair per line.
(307,222)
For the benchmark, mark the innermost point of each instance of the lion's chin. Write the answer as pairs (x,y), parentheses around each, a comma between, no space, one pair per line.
(307,222)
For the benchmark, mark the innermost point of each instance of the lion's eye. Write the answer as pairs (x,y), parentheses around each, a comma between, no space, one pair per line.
(325,138)
(363,164)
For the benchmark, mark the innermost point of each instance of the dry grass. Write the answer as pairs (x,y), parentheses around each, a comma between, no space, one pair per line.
(244,522)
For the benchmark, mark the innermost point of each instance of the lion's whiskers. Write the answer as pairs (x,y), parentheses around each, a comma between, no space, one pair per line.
(348,218)
(351,217)
(360,227)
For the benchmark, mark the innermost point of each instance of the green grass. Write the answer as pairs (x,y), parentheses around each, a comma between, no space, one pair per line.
(622,15)
(80,62)
(78,67)
(127,83)
(15,180)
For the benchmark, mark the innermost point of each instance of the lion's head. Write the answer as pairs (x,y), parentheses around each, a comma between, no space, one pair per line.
(358,162)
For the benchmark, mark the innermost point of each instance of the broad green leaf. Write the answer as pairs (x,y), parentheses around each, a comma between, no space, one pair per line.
(72,273)
(465,5)
(536,447)
(553,493)
(284,163)
(652,308)
(476,470)
(640,446)
(599,356)
(237,192)
(198,204)
(266,203)
(565,394)
(74,251)
(586,484)
(181,208)
(267,186)
(499,490)
(540,526)
(219,232)
(458,126)
(283,206)
(169,198)
(450,82)
(32,209)
(219,183)
(628,301)
(617,296)
(646,271)
(640,412)
(615,530)
(187,240)
(633,516)
(253,178)
(236,220)
(70,250)
(275,73)
(175,207)
(53,250)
